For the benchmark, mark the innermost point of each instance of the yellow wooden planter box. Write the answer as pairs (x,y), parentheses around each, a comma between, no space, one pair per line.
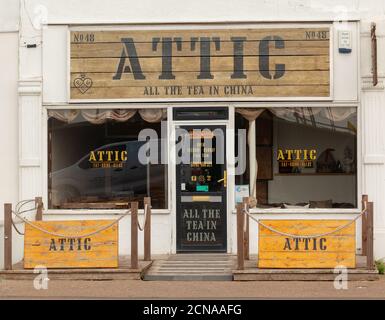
(330,251)
(96,251)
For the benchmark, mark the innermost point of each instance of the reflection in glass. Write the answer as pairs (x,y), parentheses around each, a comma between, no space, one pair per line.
(93,161)
(306,157)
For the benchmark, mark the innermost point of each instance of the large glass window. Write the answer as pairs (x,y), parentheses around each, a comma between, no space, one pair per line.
(305,157)
(96,158)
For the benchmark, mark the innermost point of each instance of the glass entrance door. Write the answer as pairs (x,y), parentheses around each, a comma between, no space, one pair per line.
(201,189)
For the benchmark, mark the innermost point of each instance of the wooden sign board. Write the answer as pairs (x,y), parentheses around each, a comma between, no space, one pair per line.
(278,251)
(96,251)
(198,64)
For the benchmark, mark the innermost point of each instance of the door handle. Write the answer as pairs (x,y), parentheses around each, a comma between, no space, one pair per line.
(224,179)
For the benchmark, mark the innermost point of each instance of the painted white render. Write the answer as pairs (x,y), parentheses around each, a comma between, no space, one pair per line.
(9,47)
(9,16)
(42,76)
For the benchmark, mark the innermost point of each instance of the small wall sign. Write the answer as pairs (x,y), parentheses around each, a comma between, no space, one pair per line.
(241,191)
(344,41)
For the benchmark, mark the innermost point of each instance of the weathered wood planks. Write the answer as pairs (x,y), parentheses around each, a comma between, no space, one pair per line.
(279,251)
(203,63)
(96,251)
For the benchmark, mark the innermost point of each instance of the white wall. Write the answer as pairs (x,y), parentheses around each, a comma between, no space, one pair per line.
(55,62)
(9,15)
(373,116)
(8,116)
(9,39)
(153,11)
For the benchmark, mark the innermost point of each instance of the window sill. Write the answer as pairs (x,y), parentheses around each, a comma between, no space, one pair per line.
(276,211)
(314,174)
(99,212)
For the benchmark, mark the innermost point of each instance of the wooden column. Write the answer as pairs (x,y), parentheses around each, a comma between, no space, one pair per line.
(134,235)
(246,229)
(364,226)
(240,237)
(370,240)
(39,208)
(8,236)
(147,230)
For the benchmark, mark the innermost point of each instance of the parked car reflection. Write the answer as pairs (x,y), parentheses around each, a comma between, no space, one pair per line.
(96,178)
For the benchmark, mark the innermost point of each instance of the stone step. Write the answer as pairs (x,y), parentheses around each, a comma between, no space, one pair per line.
(200,257)
(187,265)
(192,267)
(198,262)
(186,273)
(188,277)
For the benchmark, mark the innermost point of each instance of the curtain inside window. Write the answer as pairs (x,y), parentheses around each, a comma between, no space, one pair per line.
(100,116)
(153,115)
(67,116)
(317,117)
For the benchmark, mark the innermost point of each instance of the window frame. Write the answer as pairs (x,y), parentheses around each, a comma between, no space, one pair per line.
(45,162)
(331,211)
(231,123)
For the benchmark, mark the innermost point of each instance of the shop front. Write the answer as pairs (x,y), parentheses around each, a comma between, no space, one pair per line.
(198,117)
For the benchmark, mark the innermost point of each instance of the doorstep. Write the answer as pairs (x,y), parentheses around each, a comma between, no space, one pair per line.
(123,272)
(252,273)
(192,267)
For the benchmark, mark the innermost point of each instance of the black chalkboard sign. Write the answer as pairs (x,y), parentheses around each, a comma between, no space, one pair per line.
(201,189)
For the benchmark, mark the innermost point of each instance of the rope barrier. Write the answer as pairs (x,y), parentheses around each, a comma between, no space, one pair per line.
(70,236)
(289,235)
(18,207)
(22,203)
(17,230)
(24,211)
(145,218)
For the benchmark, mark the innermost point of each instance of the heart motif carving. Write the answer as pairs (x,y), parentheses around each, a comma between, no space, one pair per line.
(83,84)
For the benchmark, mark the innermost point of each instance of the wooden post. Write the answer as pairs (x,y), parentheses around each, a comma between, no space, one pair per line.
(364,226)
(39,208)
(246,230)
(134,235)
(8,236)
(370,240)
(240,237)
(147,230)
